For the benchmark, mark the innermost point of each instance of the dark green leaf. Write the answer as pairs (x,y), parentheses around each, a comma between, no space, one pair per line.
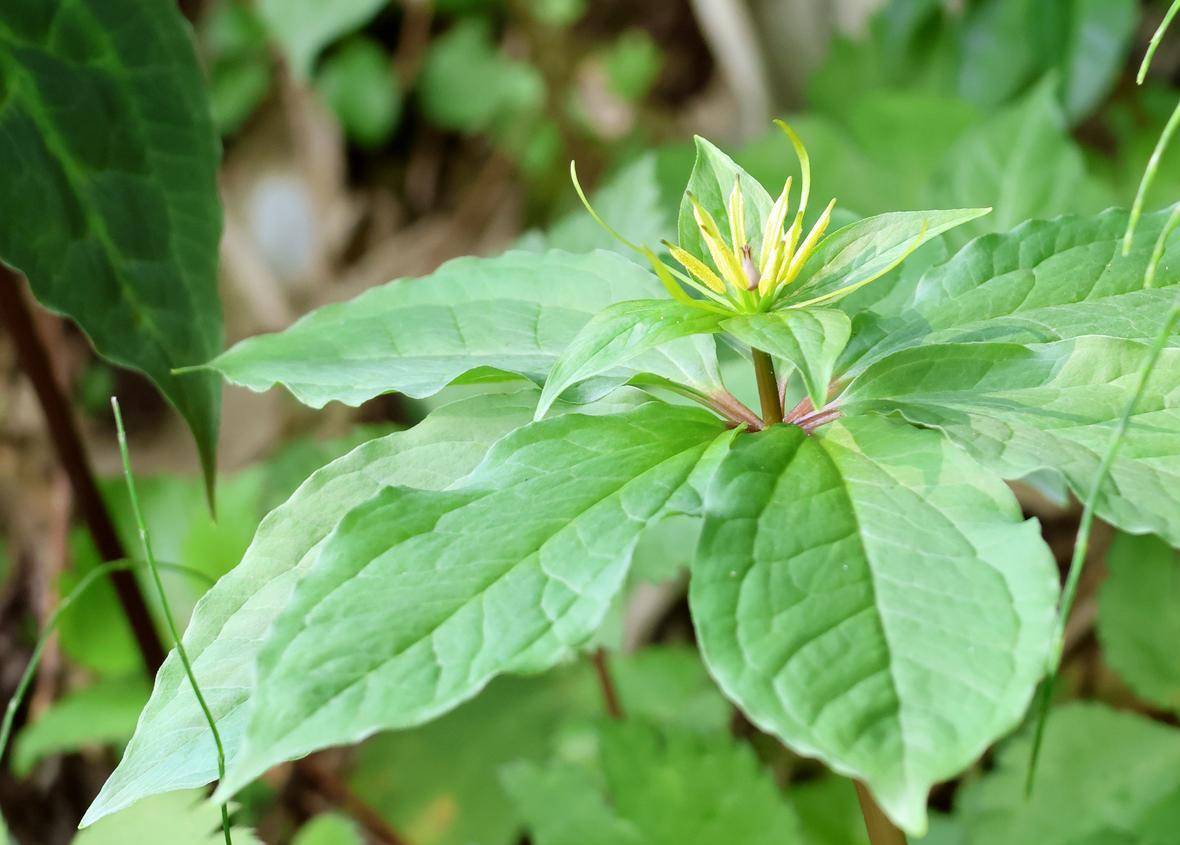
(111,193)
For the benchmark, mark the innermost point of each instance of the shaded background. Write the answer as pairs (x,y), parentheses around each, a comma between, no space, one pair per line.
(367,140)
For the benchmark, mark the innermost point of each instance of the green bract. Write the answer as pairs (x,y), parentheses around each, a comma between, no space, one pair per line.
(865,587)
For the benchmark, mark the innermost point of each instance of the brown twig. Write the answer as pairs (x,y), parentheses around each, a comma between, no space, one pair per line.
(67,442)
(610,695)
(338,793)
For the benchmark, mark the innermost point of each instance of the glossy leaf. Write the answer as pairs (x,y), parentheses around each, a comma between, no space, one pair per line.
(1104,777)
(810,340)
(860,252)
(508,572)
(172,748)
(1139,617)
(1047,408)
(659,787)
(622,332)
(304,27)
(513,314)
(713,178)
(874,598)
(111,188)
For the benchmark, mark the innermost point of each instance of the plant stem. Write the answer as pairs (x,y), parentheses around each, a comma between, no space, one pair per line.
(772,409)
(67,442)
(881,830)
(610,695)
(146,542)
(337,792)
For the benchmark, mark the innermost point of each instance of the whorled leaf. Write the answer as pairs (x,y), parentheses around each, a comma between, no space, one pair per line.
(810,340)
(712,181)
(874,598)
(624,331)
(172,747)
(1046,280)
(421,597)
(515,313)
(1139,617)
(860,252)
(110,161)
(1047,408)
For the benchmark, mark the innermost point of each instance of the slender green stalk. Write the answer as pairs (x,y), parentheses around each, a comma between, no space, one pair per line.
(1155,41)
(772,409)
(1082,542)
(84,584)
(146,542)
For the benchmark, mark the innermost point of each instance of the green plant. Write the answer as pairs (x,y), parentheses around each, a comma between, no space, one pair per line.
(865,587)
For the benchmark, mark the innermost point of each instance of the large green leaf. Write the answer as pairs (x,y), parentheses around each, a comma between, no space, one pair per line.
(1044,281)
(1023,163)
(624,331)
(110,187)
(1048,407)
(713,178)
(810,340)
(304,27)
(1104,778)
(658,787)
(421,597)
(514,313)
(172,747)
(1139,617)
(873,597)
(860,252)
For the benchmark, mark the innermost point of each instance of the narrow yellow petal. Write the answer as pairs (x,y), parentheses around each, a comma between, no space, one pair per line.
(723,256)
(737,217)
(696,267)
(773,232)
(808,246)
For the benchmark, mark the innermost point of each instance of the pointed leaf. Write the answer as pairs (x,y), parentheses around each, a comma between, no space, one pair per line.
(1139,617)
(1047,407)
(860,252)
(873,597)
(711,182)
(111,187)
(514,313)
(509,571)
(172,747)
(1042,282)
(622,332)
(809,340)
